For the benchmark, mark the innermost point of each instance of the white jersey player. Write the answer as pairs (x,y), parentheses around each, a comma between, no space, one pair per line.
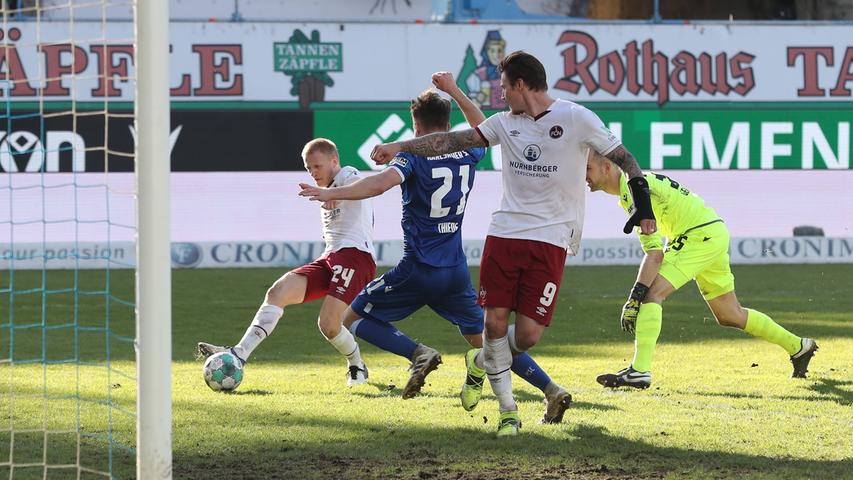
(545,170)
(544,151)
(337,276)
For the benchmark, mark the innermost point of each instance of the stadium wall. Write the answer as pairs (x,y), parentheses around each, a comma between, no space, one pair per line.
(760,129)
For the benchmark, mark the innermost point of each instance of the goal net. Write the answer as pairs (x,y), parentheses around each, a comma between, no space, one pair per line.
(68,227)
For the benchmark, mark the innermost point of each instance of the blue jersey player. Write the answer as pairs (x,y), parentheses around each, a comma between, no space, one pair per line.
(434,270)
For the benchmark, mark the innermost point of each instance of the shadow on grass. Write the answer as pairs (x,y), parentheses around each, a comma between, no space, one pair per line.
(718,394)
(833,391)
(525,396)
(827,390)
(253,392)
(520,396)
(393,450)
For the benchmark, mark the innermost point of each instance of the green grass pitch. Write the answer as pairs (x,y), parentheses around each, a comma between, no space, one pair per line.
(721,404)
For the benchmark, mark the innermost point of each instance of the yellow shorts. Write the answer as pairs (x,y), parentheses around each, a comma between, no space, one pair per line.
(701,254)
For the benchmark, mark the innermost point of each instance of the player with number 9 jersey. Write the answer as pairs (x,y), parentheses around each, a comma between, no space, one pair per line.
(434,269)
(544,143)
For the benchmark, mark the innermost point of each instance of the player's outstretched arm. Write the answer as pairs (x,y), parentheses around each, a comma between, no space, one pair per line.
(444,81)
(644,216)
(429,145)
(364,188)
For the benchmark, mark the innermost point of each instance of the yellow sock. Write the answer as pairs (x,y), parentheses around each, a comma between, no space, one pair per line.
(647,331)
(761,326)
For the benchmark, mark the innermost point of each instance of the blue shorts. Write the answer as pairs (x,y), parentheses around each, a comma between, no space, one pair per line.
(411,285)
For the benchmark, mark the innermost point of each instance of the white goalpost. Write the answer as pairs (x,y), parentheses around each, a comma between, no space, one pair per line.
(85,255)
(153,284)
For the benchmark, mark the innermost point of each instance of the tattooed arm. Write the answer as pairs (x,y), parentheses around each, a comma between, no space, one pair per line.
(624,160)
(429,145)
(439,143)
(644,215)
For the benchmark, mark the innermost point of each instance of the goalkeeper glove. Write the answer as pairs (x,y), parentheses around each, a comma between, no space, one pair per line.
(642,203)
(632,307)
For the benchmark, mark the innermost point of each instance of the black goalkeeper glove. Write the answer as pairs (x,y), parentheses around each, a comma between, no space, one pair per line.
(632,307)
(642,203)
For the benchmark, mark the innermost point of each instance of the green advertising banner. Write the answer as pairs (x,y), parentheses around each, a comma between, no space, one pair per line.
(706,136)
(356,131)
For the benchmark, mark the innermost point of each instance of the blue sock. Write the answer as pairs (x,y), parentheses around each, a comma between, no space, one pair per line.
(386,337)
(525,367)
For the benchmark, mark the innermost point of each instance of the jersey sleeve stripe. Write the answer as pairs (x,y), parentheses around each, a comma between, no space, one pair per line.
(481,135)
(612,147)
(399,172)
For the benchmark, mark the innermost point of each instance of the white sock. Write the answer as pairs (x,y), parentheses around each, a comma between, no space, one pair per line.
(262,326)
(346,345)
(498,360)
(478,360)
(510,335)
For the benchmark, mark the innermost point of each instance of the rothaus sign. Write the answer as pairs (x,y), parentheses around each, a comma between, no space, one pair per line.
(313,63)
(639,67)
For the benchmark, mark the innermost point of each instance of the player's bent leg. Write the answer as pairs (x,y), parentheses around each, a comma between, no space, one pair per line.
(385,336)
(728,312)
(660,289)
(526,333)
(289,289)
(496,322)
(330,320)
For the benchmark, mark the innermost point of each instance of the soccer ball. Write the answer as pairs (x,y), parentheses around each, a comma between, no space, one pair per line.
(223,372)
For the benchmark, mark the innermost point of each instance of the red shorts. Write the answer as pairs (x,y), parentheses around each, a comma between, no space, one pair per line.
(523,275)
(341,274)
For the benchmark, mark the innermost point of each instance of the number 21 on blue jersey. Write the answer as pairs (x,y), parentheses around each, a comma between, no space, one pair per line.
(446,174)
